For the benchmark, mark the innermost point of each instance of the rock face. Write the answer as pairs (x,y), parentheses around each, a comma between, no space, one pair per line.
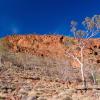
(38,45)
(52,46)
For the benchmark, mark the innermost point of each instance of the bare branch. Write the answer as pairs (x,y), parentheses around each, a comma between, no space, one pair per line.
(74,57)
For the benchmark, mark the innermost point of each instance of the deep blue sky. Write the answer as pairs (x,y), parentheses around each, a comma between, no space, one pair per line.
(43,16)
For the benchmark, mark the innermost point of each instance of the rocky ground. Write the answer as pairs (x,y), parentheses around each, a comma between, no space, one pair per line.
(35,68)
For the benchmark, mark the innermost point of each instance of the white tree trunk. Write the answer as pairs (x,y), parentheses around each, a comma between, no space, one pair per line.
(82,68)
(83,78)
(81,62)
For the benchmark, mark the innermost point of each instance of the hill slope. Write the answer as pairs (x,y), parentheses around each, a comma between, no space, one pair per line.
(29,62)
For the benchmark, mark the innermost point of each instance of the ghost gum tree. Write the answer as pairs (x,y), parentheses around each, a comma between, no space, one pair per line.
(91,27)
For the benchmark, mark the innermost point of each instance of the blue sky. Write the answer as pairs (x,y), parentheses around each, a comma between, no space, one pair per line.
(43,16)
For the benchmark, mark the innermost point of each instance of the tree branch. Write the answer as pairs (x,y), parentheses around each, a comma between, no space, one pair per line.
(76,58)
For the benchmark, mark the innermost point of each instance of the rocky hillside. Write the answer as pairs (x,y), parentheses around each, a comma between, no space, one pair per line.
(52,46)
(35,67)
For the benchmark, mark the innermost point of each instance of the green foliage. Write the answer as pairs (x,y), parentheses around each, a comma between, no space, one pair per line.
(72,41)
(14,35)
(98,79)
(2,98)
(2,47)
(4,44)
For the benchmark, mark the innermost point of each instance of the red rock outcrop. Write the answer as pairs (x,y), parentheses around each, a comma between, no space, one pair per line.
(49,45)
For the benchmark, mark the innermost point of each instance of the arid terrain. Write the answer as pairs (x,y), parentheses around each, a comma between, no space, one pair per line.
(36,67)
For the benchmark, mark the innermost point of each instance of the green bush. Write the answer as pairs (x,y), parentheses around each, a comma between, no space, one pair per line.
(98,79)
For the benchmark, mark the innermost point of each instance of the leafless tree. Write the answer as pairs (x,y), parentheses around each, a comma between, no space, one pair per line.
(91,27)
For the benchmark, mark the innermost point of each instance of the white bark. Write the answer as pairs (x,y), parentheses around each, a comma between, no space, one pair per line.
(80,61)
(82,65)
